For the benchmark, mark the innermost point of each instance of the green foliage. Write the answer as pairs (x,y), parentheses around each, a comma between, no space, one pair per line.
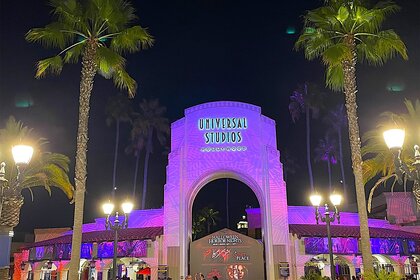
(381,275)
(45,169)
(102,23)
(340,31)
(377,158)
(312,275)
(203,221)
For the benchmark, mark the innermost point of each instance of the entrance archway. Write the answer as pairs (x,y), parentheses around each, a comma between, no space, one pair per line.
(228,198)
(224,140)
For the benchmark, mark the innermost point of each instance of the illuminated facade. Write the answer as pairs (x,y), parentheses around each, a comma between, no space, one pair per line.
(220,140)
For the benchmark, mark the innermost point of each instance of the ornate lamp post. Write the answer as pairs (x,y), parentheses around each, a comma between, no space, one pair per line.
(22,155)
(116,225)
(394,139)
(328,218)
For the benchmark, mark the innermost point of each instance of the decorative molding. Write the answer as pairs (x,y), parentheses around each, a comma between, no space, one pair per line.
(178,123)
(222,104)
(268,120)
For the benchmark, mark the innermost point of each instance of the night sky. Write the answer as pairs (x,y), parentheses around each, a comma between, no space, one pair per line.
(205,50)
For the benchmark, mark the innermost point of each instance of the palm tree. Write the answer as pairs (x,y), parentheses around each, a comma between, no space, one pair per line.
(340,33)
(209,216)
(97,32)
(148,122)
(136,146)
(337,119)
(46,170)
(378,159)
(197,226)
(327,151)
(119,110)
(308,102)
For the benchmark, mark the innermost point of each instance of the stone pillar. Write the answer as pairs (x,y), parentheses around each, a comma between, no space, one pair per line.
(37,274)
(105,274)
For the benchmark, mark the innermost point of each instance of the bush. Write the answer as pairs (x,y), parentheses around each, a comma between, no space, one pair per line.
(312,275)
(381,275)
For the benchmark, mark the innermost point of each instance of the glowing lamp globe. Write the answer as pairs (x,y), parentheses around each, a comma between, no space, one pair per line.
(335,199)
(127,207)
(108,208)
(315,199)
(22,154)
(394,138)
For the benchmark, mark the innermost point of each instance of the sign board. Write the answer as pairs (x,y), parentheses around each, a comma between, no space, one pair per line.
(228,255)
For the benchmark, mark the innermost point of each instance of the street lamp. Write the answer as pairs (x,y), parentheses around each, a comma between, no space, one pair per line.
(108,209)
(22,155)
(394,139)
(328,218)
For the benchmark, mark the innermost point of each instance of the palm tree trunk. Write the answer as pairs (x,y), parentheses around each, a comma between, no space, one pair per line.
(136,172)
(114,172)
(329,175)
(9,218)
(350,90)
(340,148)
(308,146)
(89,68)
(146,166)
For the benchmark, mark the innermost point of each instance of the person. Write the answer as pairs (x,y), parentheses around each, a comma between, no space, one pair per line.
(188,277)
(215,278)
(202,277)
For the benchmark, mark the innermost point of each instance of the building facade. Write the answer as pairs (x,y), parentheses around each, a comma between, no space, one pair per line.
(212,141)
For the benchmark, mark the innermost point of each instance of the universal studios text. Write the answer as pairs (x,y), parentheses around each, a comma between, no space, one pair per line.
(222,130)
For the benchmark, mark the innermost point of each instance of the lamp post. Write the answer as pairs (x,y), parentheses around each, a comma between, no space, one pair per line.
(116,225)
(328,218)
(394,139)
(22,155)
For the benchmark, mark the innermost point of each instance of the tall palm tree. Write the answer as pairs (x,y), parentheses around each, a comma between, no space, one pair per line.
(149,121)
(340,33)
(327,151)
(378,159)
(46,170)
(306,100)
(97,32)
(136,146)
(337,120)
(119,110)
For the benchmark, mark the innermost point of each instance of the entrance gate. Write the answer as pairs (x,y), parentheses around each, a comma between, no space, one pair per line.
(224,140)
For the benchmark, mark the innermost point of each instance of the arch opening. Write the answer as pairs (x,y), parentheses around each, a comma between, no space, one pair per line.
(228,200)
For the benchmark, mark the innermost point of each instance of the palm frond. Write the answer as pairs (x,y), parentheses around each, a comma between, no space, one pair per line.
(73,54)
(336,54)
(109,61)
(51,36)
(69,13)
(53,65)
(378,48)
(382,180)
(124,81)
(115,15)
(335,77)
(314,43)
(132,40)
